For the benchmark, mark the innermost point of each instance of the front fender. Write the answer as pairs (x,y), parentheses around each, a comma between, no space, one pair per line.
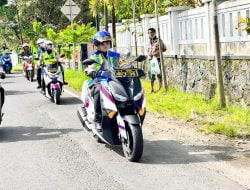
(133,119)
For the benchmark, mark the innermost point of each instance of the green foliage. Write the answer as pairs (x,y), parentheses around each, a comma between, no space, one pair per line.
(3,2)
(124,7)
(77,34)
(244,24)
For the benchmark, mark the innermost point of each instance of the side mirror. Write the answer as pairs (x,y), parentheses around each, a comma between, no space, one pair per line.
(89,62)
(141,73)
(141,58)
(128,55)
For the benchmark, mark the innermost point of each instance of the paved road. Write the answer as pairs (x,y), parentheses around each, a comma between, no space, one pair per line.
(43,146)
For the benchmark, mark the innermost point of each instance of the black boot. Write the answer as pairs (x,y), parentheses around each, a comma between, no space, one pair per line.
(98,121)
(64,82)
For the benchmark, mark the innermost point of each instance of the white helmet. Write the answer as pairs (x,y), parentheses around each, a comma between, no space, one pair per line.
(48,42)
(40,41)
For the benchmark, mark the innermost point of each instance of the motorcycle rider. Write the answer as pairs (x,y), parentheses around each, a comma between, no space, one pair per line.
(26,50)
(50,56)
(41,46)
(4,48)
(102,55)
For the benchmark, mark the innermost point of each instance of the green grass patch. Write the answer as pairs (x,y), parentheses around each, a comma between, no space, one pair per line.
(234,121)
(223,129)
(18,68)
(75,79)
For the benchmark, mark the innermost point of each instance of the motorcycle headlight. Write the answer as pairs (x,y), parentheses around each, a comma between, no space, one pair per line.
(138,96)
(53,76)
(120,98)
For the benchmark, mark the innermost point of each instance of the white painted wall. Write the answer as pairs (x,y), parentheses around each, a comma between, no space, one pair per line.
(188,28)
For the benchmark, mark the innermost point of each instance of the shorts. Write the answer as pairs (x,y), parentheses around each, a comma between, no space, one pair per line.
(153,77)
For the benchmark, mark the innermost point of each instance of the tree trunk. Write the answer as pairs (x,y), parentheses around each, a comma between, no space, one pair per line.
(114,27)
(217,54)
(106,19)
(97,22)
(135,30)
(19,24)
(161,54)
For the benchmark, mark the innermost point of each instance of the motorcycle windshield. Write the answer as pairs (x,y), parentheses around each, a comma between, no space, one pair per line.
(52,68)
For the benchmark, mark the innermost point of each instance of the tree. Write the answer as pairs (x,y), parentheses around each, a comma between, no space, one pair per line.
(219,76)
(77,34)
(111,4)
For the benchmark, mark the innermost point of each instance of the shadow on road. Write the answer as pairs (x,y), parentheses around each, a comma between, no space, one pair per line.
(70,101)
(21,133)
(174,152)
(16,92)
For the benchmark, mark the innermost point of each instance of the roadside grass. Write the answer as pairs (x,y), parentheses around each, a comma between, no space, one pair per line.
(18,68)
(233,121)
(75,79)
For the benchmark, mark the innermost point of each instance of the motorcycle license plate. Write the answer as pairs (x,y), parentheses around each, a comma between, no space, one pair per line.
(126,73)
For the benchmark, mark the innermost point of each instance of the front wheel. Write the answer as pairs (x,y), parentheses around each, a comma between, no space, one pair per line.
(56,97)
(133,146)
(30,75)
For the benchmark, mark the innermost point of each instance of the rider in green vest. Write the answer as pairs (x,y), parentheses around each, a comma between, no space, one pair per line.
(106,59)
(50,56)
(4,49)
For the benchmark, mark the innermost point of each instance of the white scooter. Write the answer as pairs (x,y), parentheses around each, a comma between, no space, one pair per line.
(123,108)
(53,81)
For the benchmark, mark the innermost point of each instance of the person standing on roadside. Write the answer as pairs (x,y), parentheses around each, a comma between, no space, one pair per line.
(154,57)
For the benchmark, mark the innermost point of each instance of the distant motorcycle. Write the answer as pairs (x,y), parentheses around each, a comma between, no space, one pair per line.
(29,67)
(7,63)
(123,107)
(53,80)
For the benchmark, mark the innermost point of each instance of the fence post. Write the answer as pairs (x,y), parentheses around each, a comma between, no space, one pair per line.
(174,28)
(208,27)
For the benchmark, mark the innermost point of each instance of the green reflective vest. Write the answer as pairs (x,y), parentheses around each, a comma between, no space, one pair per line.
(49,58)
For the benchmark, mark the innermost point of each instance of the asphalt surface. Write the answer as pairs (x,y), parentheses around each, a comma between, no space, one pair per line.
(43,146)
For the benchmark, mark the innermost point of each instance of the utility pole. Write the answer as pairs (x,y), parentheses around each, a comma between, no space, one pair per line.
(72,27)
(160,46)
(217,53)
(71,10)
